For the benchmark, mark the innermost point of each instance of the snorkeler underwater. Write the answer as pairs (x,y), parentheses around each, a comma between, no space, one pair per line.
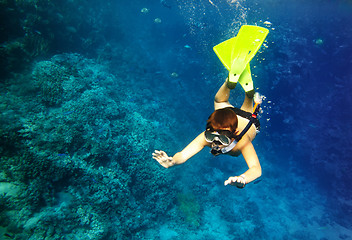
(228,128)
(141,119)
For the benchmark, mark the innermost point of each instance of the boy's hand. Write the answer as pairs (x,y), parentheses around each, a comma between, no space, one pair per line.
(163,159)
(237,181)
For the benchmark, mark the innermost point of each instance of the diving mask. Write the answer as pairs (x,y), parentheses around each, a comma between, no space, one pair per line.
(221,136)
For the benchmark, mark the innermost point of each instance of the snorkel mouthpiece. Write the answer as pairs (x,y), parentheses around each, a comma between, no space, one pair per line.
(218,148)
(215,150)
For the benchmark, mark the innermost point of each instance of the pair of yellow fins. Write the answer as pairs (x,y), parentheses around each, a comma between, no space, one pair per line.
(237,52)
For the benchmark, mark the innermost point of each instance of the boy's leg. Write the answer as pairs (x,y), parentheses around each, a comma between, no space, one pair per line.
(222,96)
(221,99)
(223,93)
(247,103)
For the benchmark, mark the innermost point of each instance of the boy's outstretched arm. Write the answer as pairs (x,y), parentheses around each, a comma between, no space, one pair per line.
(192,149)
(254,169)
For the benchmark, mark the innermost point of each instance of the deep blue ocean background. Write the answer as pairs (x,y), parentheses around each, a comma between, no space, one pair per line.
(90,88)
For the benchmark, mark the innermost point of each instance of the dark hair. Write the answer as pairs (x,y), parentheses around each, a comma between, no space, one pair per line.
(223,118)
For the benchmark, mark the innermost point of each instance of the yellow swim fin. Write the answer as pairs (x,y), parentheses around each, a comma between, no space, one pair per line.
(246,79)
(224,51)
(237,52)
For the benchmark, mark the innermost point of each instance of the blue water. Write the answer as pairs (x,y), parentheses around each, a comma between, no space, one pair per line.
(89,89)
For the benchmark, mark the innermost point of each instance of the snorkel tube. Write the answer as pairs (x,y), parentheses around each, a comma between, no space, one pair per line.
(258,99)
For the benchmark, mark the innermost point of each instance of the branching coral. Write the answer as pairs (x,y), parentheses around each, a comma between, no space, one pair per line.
(49,77)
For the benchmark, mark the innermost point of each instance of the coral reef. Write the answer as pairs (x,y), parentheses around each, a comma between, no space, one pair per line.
(79,157)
